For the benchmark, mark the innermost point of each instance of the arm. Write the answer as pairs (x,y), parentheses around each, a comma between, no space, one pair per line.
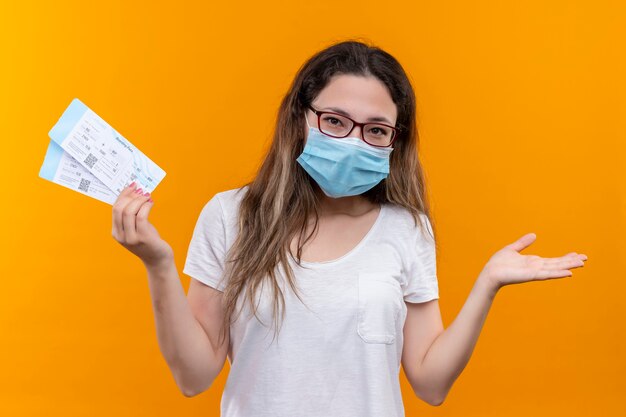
(186,327)
(183,342)
(448,353)
(434,358)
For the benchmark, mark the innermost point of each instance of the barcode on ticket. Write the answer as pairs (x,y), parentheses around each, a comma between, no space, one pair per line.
(84,185)
(90,160)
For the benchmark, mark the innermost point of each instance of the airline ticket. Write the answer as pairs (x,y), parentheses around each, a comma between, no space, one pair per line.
(89,156)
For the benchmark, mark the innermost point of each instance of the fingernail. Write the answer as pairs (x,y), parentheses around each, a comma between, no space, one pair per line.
(132,184)
(138,190)
(146,194)
(150,200)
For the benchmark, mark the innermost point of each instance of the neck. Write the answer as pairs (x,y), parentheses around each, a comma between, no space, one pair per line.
(352,205)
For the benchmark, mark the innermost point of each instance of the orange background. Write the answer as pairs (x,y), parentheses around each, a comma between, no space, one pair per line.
(522,121)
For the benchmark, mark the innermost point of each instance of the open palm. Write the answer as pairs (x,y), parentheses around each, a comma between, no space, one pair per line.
(508,266)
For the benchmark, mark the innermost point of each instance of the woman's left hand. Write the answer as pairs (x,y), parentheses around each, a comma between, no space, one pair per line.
(508,266)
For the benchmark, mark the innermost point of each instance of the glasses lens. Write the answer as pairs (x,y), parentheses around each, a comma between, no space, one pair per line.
(337,125)
(378,135)
(334,124)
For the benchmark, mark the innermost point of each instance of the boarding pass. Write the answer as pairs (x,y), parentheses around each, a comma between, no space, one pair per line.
(87,155)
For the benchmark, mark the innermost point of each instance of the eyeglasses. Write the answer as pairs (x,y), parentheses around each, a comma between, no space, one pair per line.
(339,126)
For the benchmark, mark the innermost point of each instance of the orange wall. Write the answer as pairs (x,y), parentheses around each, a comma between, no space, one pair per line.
(522,117)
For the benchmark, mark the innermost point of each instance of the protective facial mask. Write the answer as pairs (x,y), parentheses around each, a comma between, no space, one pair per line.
(343,167)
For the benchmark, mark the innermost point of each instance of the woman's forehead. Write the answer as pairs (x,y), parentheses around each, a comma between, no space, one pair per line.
(360,97)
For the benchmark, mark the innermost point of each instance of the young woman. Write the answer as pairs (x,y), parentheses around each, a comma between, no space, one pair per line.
(334,233)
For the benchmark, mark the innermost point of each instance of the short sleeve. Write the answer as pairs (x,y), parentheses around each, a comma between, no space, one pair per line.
(205,255)
(422,285)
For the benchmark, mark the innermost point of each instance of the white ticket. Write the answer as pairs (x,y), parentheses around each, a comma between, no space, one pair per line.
(61,168)
(108,162)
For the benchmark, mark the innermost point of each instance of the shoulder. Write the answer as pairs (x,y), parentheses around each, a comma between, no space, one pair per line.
(223,208)
(229,200)
(403,216)
(401,219)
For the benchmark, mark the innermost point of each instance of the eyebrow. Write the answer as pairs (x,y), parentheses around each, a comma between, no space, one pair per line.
(345,113)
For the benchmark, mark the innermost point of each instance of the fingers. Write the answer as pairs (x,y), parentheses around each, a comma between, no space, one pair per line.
(129,216)
(118,207)
(142,216)
(523,242)
(571,258)
(581,256)
(560,267)
(553,273)
(567,263)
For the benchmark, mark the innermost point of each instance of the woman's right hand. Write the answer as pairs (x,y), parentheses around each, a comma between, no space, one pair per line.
(132,229)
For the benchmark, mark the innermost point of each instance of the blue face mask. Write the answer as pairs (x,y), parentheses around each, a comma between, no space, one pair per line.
(343,167)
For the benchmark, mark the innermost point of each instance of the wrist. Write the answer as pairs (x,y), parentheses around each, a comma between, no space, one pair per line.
(159,264)
(488,284)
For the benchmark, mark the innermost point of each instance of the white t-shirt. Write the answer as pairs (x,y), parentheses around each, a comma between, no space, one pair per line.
(339,357)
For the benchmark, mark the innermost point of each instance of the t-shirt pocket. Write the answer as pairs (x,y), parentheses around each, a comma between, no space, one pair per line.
(379,305)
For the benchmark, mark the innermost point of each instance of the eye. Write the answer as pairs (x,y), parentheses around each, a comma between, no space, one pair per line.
(333,121)
(379,131)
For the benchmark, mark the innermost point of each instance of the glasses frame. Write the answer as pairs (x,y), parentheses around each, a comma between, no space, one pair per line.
(319,114)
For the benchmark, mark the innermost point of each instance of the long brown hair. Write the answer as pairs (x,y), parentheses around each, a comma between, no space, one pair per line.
(282,197)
